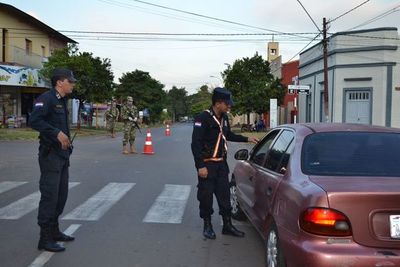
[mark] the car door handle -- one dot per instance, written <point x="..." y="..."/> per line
<point x="269" y="191"/>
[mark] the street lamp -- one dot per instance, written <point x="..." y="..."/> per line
<point x="212" y="76"/>
<point x="222" y="82"/>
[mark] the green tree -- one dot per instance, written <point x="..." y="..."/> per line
<point x="94" y="75"/>
<point x="199" y="101"/>
<point x="177" y="102"/>
<point x="145" y="90"/>
<point x="252" y="85"/>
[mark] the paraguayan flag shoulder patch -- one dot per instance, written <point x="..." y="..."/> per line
<point x="39" y="104"/>
<point x="197" y="124"/>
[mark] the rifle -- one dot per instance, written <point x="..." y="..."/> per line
<point x="71" y="147"/>
<point x="109" y="115"/>
<point x="136" y="125"/>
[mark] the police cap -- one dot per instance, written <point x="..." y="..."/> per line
<point x="222" y="94"/>
<point x="62" y="73"/>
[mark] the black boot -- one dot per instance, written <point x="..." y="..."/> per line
<point x="229" y="229"/>
<point x="208" y="231"/>
<point x="60" y="236"/>
<point x="47" y="242"/>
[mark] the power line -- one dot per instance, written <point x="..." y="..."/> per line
<point x="309" y="15"/>
<point x="167" y="15"/>
<point x="304" y="48"/>
<point x="155" y="36"/>
<point x="152" y="39"/>
<point x="91" y="33"/>
<point x="354" y="8"/>
<point x="207" y="17"/>
<point x="378" y="17"/>
<point x="188" y="34"/>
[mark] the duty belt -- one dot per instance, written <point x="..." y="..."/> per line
<point x="213" y="159"/>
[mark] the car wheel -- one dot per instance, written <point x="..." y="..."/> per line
<point x="237" y="212"/>
<point x="274" y="253"/>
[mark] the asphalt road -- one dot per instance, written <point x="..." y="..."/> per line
<point x="124" y="210"/>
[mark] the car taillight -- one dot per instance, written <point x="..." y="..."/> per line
<point x="324" y="221"/>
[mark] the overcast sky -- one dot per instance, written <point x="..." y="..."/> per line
<point x="190" y="64"/>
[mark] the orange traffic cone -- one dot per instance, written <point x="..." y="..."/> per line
<point x="167" y="131"/>
<point x="148" y="147"/>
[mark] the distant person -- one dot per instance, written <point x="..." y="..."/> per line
<point x="260" y="125"/>
<point x="50" y="118"/>
<point x="211" y="131"/>
<point x="129" y="115"/>
<point x="112" y="115"/>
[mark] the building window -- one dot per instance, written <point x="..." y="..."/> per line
<point x="28" y="46"/>
<point x="43" y="51"/>
<point x="273" y="51"/>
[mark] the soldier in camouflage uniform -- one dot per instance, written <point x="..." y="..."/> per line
<point x="112" y="117"/>
<point x="129" y="115"/>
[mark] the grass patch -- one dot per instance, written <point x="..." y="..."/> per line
<point x="29" y="134"/>
<point x="18" y="134"/>
<point x="258" y="135"/>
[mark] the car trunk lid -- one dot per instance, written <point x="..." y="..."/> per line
<point x="372" y="205"/>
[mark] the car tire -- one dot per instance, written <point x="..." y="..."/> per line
<point x="237" y="212"/>
<point x="273" y="251"/>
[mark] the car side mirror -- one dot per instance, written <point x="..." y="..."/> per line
<point x="242" y="154"/>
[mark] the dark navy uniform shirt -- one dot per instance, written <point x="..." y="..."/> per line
<point x="205" y="137"/>
<point x="49" y="117"/>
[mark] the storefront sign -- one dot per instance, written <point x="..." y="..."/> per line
<point x="20" y="76"/>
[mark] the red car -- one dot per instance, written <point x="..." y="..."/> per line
<point x="323" y="195"/>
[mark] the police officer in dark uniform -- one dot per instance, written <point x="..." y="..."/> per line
<point x="211" y="131"/>
<point x="50" y="118"/>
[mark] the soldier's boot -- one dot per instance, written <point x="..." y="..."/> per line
<point x="60" y="236"/>
<point x="133" y="149"/>
<point x="125" y="150"/>
<point x="229" y="229"/>
<point x="47" y="242"/>
<point x="208" y="231"/>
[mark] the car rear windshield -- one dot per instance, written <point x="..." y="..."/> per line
<point x="351" y="154"/>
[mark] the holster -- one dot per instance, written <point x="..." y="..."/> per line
<point x="44" y="150"/>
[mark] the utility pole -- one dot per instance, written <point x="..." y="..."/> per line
<point x="326" y="97"/>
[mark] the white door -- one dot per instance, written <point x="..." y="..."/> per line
<point x="358" y="107"/>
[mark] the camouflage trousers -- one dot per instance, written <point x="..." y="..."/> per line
<point x="129" y="134"/>
<point x="111" y="125"/>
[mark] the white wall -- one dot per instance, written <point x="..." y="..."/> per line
<point x="380" y="44"/>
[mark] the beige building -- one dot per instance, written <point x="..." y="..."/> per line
<point x="25" y="45"/>
<point x="272" y="51"/>
<point x="363" y="79"/>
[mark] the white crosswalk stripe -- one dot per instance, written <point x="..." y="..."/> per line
<point x="169" y="205"/>
<point x="97" y="205"/>
<point x="5" y="186"/>
<point x="23" y="206"/>
<point x="44" y="257"/>
<point x="168" y="208"/>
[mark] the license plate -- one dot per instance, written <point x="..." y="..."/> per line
<point x="395" y="226"/>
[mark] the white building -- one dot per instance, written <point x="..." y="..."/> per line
<point x="363" y="78"/>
